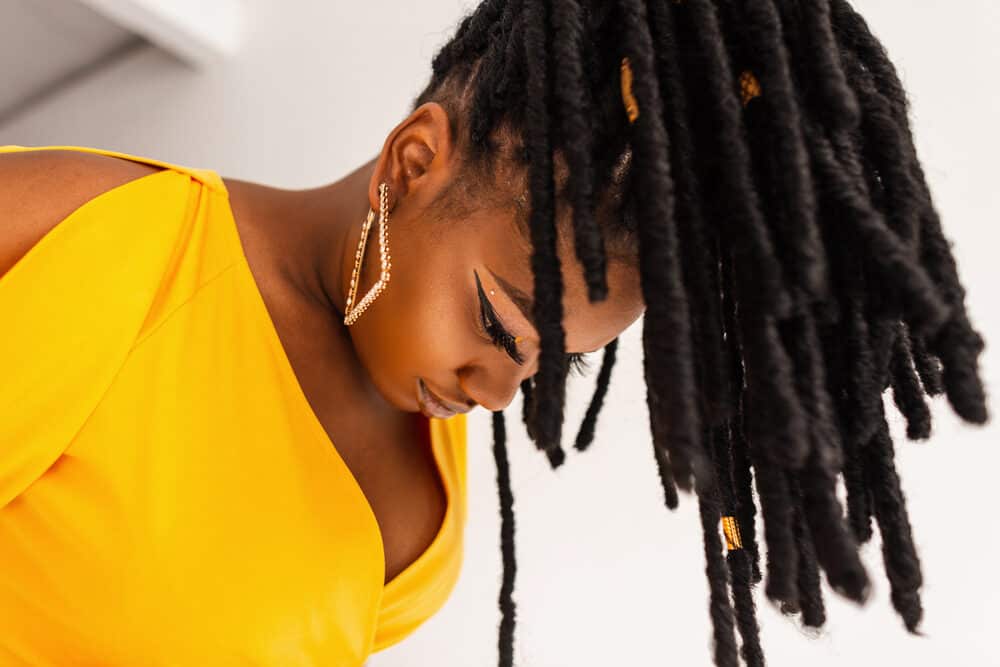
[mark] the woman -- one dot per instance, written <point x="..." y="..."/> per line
<point x="743" y="174"/>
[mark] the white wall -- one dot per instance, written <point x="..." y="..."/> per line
<point x="76" y="39"/>
<point x="606" y="574"/>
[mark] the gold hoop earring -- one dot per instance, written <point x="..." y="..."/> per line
<point x="351" y="312"/>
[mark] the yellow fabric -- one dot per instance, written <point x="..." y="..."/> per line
<point x="167" y="495"/>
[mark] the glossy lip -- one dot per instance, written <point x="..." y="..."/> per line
<point x="434" y="406"/>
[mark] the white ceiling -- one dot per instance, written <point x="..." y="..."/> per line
<point x="45" y="43"/>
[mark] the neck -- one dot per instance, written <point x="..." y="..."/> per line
<point x="331" y="219"/>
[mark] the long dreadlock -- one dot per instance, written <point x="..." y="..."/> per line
<point x="793" y="267"/>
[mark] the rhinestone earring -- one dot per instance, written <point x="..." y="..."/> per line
<point x="351" y="312"/>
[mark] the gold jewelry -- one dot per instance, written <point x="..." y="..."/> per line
<point x="351" y="314"/>
<point x="732" y="532"/>
<point x="749" y="87"/>
<point x="631" y="107"/>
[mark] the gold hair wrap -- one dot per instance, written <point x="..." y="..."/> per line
<point x="749" y="87"/>
<point x="732" y="532"/>
<point x="631" y="108"/>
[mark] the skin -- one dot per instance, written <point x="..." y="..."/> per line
<point x="301" y="247"/>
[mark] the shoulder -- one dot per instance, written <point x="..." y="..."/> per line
<point x="39" y="188"/>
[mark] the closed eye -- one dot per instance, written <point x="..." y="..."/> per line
<point x="493" y="328"/>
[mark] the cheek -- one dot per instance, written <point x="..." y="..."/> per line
<point x="591" y="328"/>
<point x="420" y="326"/>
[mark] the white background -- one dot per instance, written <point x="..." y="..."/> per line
<point x="606" y="575"/>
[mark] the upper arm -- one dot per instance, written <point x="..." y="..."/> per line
<point x="40" y="188"/>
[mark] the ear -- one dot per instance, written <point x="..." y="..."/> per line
<point x="417" y="159"/>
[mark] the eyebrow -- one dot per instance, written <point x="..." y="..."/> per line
<point x="515" y="294"/>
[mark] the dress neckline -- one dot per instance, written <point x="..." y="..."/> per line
<point x="413" y="568"/>
<point x="217" y="183"/>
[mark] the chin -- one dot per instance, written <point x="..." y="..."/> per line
<point x="400" y="393"/>
<point x="380" y="384"/>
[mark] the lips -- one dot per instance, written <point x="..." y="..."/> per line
<point x="434" y="406"/>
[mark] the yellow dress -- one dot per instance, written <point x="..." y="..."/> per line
<point x="167" y="495"/>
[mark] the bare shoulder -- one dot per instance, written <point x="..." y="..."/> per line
<point x="38" y="189"/>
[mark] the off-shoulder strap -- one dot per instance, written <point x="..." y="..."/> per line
<point x="207" y="176"/>
<point x="71" y="309"/>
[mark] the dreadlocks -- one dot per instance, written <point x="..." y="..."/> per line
<point x="759" y="162"/>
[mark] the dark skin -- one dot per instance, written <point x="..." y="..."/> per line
<point x="361" y="380"/>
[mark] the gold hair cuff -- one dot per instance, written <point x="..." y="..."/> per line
<point x="631" y="108"/>
<point x="732" y="531"/>
<point x="749" y="86"/>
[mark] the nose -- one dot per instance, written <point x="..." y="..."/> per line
<point x="495" y="388"/>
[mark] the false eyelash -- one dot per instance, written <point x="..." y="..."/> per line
<point x="492" y="328"/>
<point x="578" y="363"/>
<point x="503" y="340"/>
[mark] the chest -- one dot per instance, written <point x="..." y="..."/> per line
<point x="388" y="451"/>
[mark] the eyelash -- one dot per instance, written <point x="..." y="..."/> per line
<point x="577" y="363"/>
<point x="492" y="328"/>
